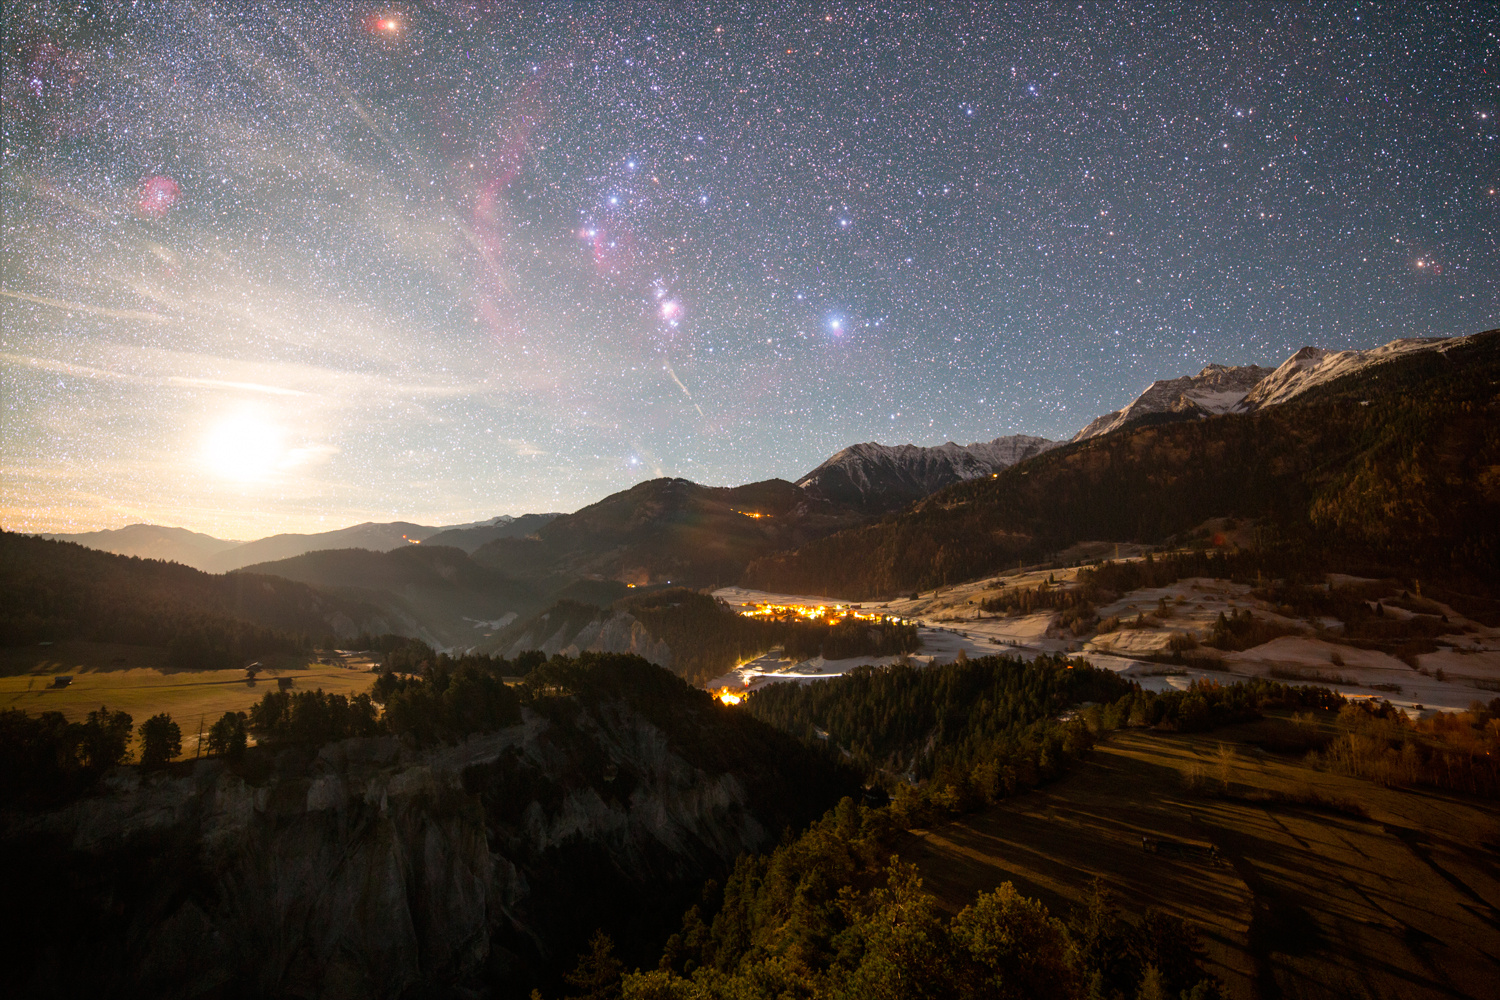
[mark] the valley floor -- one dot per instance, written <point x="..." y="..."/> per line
<point x="1301" y="901"/>
<point x="1465" y="667"/>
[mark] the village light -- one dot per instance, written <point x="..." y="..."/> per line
<point x="821" y="612"/>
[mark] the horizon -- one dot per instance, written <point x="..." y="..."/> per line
<point x="331" y="522"/>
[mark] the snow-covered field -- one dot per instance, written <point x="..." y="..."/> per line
<point x="1465" y="668"/>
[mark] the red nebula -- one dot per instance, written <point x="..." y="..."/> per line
<point x="158" y="195"/>
<point x="382" y="24"/>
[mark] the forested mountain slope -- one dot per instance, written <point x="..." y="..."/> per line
<point x="51" y="591"/>
<point x="472" y="537"/>
<point x="1397" y="463"/>
<point x="153" y="541"/>
<point x="434" y="592"/>
<point x="671" y="531"/>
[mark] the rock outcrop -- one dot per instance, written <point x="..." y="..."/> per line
<point x="596" y="631"/>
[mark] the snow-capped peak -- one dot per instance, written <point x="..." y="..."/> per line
<point x="1216" y="389"/>
<point x="876" y="476"/>
<point x="1314" y="366"/>
<point x="1220" y="389"/>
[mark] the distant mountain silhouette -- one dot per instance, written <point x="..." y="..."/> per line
<point x="369" y="535"/>
<point x="471" y="537"/>
<point x="217" y="555"/>
<point x="153" y="541"/>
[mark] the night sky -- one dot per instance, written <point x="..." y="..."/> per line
<point x="271" y="268"/>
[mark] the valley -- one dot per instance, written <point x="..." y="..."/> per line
<point x="1185" y="654"/>
<point x="1159" y="636"/>
<point x="700" y="501"/>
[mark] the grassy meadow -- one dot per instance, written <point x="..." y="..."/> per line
<point x="131" y="679"/>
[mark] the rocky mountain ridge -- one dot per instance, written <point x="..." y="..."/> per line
<point x="586" y="630"/>
<point x="1313" y="366"/>
<point x="1388" y="461"/>
<point x="878" y="478"/>
<point x="1220" y="389"/>
<point x="1216" y="389"/>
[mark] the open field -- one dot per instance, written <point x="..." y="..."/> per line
<point x="1305" y="901"/>
<point x="187" y="696"/>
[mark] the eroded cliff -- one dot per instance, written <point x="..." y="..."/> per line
<point x="376" y="869"/>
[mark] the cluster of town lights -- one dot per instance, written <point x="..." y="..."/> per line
<point x="830" y="613"/>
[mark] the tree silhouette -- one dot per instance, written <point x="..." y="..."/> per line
<point x="161" y="740"/>
<point x="104" y="738"/>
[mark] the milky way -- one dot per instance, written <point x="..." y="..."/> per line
<point x="270" y="268"/>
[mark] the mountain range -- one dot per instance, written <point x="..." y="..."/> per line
<point x="217" y="555"/>
<point x="1314" y="366"/>
<point x="457" y="585"/>
<point x="1216" y="389"/>
<point x="1219" y="389"/>
<point x="1384" y="458"/>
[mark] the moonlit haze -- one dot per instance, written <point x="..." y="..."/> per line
<point x="289" y="267"/>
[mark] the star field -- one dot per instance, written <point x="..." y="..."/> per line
<point x="274" y="268"/>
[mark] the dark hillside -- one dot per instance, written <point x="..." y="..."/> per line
<point x="1398" y="464"/>
<point x="433" y="590"/>
<point x="413" y="566"/>
<point x="470" y="539"/>
<point x="51" y="591"/>
<point x="671" y="531"/>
